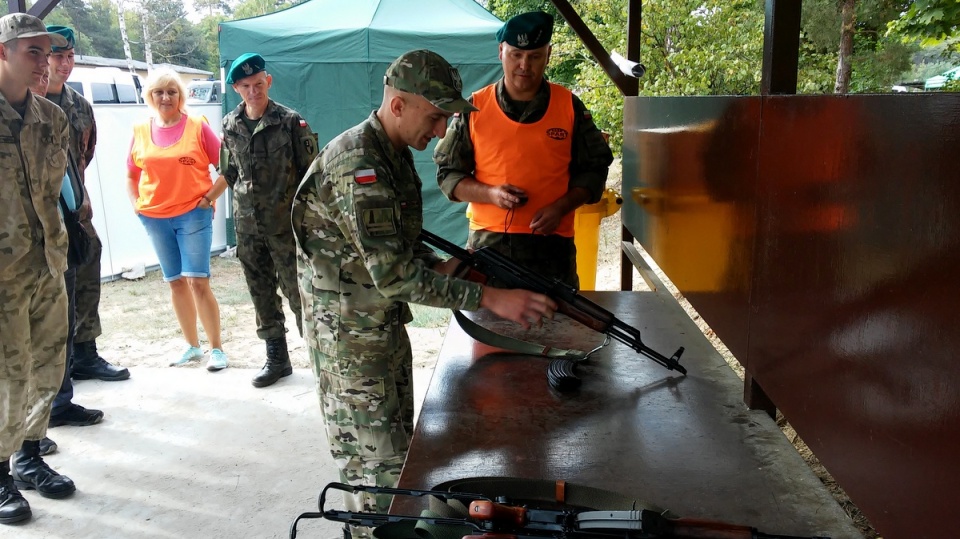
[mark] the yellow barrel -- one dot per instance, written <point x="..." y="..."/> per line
<point x="587" y="235"/>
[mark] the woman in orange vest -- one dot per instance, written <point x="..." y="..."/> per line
<point x="172" y="192"/>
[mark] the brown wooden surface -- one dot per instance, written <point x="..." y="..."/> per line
<point x="818" y="236"/>
<point x="686" y="443"/>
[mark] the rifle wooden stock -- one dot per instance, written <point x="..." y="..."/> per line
<point x="497" y="512"/>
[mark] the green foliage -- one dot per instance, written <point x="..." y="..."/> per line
<point x="930" y="22"/>
<point x="256" y="8"/>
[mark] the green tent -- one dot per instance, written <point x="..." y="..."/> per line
<point x="328" y="57"/>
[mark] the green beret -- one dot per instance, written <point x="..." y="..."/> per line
<point x="527" y="31"/>
<point x="247" y="64"/>
<point x="66" y="32"/>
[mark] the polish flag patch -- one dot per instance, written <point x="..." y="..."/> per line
<point x="365" y="176"/>
<point x="303" y="123"/>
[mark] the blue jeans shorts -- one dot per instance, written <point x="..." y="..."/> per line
<point x="182" y="243"/>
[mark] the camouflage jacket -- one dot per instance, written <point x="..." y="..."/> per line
<point x="83" y="137"/>
<point x="33" y="159"/>
<point x="590" y="159"/>
<point x="264" y="167"/>
<point x="356" y="217"/>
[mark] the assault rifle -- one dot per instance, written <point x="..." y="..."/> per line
<point x="561" y="371"/>
<point x="489" y="519"/>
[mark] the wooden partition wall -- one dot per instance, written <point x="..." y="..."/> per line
<point x="819" y="236"/>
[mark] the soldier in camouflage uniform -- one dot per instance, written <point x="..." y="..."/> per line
<point x="266" y="151"/>
<point x="523" y="204"/>
<point x="33" y="257"/>
<point x="357" y="216"/>
<point x="86" y="363"/>
<point x="64" y="411"/>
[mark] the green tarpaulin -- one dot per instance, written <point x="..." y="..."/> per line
<point x="327" y="58"/>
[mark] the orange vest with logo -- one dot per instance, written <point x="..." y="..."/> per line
<point x="172" y="178"/>
<point x="534" y="157"/>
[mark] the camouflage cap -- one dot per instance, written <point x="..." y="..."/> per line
<point x="67" y="34"/>
<point x="527" y="31"/>
<point x="20" y="25"/>
<point x="249" y="63"/>
<point x="426" y="73"/>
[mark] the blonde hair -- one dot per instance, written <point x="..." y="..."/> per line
<point x="161" y="78"/>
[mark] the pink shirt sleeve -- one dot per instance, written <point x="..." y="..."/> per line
<point x="211" y="143"/>
<point x="130" y="166"/>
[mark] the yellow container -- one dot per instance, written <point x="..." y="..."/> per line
<point x="587" y="235"/>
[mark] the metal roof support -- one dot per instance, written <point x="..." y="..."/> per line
<point x="593" y="45"/>
<point x="39" y="10"/>
<point x="781" y="47"/>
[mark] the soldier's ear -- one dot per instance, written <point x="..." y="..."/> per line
<point x="269" y="80"/>
<point x="397" y="104"/>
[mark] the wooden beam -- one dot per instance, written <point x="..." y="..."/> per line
<point x="634" y="38"/>
<point x="43" y="8"/>
<point x="17" y="6"/>
<point x="781" y="47"/>
<point x="593" y="45"/>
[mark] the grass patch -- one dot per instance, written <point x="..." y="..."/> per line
<point x="429" y="317"/>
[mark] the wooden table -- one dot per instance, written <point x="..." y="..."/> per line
<point x="686" y="443"/>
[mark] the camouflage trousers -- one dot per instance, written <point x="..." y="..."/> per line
<point x="554" y="257"/>
<point x="33" y="337"/>
<point x="269" y="261"/>
<point x="88" y="291"/>
<point x="368" y="418"/>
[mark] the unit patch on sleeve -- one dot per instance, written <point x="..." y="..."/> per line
<point x="378" y="222"/>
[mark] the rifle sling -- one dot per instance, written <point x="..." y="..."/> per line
<point x="483" y="335"/>
<point x="552" y="493"/>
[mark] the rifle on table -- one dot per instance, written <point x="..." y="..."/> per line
<point x="560" y="373"/>
<point x="489" y="519"/>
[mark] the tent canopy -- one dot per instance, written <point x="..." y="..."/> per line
<point x="328" y="57"/>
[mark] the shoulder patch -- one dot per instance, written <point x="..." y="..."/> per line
<point x="378" y="222"/>
<point x="365" y="176"/>
<point x="303" y="123"/>
<point x="587" y="115"/>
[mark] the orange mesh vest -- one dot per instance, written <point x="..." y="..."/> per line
<point x="173" y="179"/>
<point x="534" y="157"/>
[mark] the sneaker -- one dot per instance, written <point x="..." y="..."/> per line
<point x="76" y="416"/>
<point x="218" y="360"/>
<point x="193" y="353"/>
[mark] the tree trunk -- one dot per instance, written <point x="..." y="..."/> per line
<point x="123" y="36"/>
<point x="848" y="18"/>
<point x="147" y="48"/>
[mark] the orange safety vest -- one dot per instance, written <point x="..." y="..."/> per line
<point x="534" y="157"/>
<point x="174" y="178"/>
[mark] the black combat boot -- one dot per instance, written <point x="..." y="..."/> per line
<point x="13" y="508"/>
<point x="30" y="472"/>
<point x="88" y="364"/>
<point x="277" y="366"/>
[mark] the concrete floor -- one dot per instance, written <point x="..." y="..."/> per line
<point x="183" y="453"/>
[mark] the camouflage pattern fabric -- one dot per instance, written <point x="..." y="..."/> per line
<point x="264" y="168"/>
<point x="83" y="142"/>
<point x="268" y="261"/>
<point x="553" y="257"/>
<point x="33" y="330"/>
<point x="589" y="162"/>
<point x="368" y="421"/>
<point x="33" y="257"/>
<point x="356" y="217"/>
<point x="32" y="234"/>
